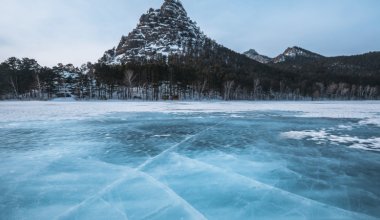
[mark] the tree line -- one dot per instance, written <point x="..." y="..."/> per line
<point x="212" y="73"/>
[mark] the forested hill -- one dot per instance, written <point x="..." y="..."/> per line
<point x="168" y="57"/>
<point x="349" y="74"/>
<point x="363" y="65"/>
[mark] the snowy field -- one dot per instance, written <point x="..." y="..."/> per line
<point x="189" y="160"/>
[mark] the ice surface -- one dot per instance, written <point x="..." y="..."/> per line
<point x="218" y="160"/>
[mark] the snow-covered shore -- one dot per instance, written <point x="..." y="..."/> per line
<point x="367" y="111"/>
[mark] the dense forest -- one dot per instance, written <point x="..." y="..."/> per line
<point x="212" y="73"/>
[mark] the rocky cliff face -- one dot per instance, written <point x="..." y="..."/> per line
<point x="160" y="32"/>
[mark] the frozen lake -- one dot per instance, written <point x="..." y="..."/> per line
<point x="189" y="160"/>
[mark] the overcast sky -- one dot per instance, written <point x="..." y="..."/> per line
<point x="77" y="31"/>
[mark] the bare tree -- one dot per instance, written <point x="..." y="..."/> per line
<point x="38" y="86"/>
<point x="256" y="88"/>
<point x="14" y="87"/>
<point x="227" y="89"/>
<point x="129" y="77"/>
<point x="201" y="88"/>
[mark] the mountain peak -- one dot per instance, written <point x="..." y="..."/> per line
<point x="178" y="2"/>
<point x="173" y="8"/>
<point x="254" y="55"/>
<point x="251" y="52"/>
<point x="296" y="51"/>
<point x="292" y="53"/>
<point x="160" y="32"/>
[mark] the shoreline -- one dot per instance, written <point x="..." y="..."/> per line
<point x="16" y="111"/>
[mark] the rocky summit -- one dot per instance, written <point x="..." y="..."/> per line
<point x="253" y="54"/>
<point x="295" y="52"/>
<point x="159" y="33"/>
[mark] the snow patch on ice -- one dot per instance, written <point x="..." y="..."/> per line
<point x="371" y="121"/>
<point x="299" y="135"/>
<point x="345" y="127"/>
<point x="162" y="135"/>
<point x="323" y="137"/>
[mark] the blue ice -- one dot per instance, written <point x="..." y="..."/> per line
<point x="190" y="166"/>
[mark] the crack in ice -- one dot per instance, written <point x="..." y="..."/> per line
<point x="262" y="185"/>
<point x="168" y="190"/>
<point x="150" y="160"/>
<point x="189" y="208"/>
<point x="124" y="214"/>
<point x="174" y="195"/>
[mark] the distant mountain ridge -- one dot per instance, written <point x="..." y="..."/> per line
<point x="291" y="53"/>
<point x="297" y="59"/>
